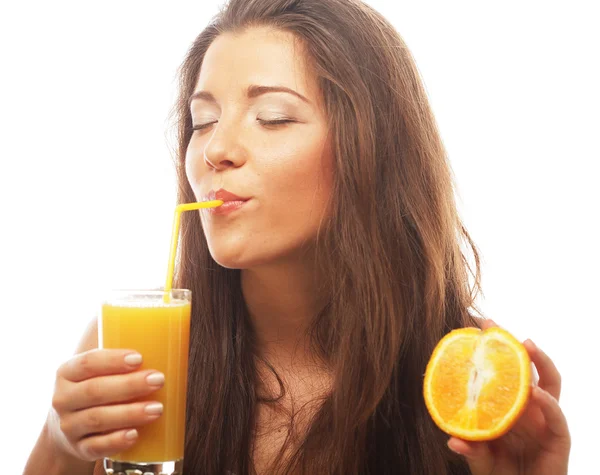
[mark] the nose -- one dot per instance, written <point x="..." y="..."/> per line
<point x="224" y="149"/>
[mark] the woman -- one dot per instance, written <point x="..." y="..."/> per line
<point x="321" y="291"/>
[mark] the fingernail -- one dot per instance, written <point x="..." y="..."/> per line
<point x="133" y="359"/>
<point x="131" y="434"/>
<point x="155" y="379"/>
<point x="154" y="409"/>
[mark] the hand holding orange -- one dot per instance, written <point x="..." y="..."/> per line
<point x="478" y="388"/>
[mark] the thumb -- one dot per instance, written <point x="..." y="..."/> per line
<point x="478" y="455"/>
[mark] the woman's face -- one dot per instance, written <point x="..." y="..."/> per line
<point x="260" y="134"/>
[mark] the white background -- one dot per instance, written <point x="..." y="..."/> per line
<point x="87" y="188"/>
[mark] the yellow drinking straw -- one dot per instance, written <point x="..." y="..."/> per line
<point x="175" y="236"/>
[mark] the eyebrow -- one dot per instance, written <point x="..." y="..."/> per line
<point x="252" y="92"/>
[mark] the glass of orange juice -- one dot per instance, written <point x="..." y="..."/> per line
<point x="157" y="325"/>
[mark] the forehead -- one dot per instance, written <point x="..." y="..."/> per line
<point x="262" y="56"/>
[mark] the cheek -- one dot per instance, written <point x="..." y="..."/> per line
<point x="324" y="181"/>
<point x="301" y="182"/>
<point x="314" y="171"/>
<point x="326" y="169"/>
<point x="193" y="163"/>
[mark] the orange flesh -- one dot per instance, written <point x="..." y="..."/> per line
<point x="477" y="383"/>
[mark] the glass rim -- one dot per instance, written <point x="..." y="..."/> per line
<point x="113" y="295"/>
<point x="146" y="291"/>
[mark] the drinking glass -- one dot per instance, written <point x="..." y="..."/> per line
<point x="156" y="324"/>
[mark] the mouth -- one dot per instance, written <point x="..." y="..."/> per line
<point x="231" y="201"/>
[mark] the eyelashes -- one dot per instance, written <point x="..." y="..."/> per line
<point x="203" y="126"/>
<point x="275" y="122"/>
<point x="266" y="123"/>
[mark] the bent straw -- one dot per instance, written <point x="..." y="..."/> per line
<point x="175" y="237"/>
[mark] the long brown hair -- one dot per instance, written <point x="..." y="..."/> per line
<point x="391" y="253"/>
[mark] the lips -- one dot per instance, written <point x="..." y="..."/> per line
<point x="231" y="201"/>
<point x="224" y="196"/>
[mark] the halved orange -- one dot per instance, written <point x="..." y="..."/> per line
<point x="477" y="383"/>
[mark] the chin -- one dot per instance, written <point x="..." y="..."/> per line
<point x="232" y="257"/>
<point x="244" y="256"/>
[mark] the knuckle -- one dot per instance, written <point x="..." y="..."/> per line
<point x="92" y="390"/>
<point x="85" y="363"/>
<point x="65" y="427"/>
<point x="58" y="402"/>
<point x="93" y="420"/>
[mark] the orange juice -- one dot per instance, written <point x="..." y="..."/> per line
<point x="160" y="332"/>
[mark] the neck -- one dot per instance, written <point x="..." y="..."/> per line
<point x="282" y="300"/>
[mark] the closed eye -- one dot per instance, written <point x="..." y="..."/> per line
<point x="275" y="122"/>
<point x="203" y="126"/>
<point x="267" y="123"/>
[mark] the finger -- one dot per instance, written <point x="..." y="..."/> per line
<point x="99" y="363"/>
<point x="105" y="445"/>
<point x="535" y="377"/>
<point x="556" y="422"/>
<point x="549" y="377"/>
<point x="488" y="323"/>
<point x="478" y="455"/>
<point x="108" y="390"/>
<point x="101" y="419"/>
